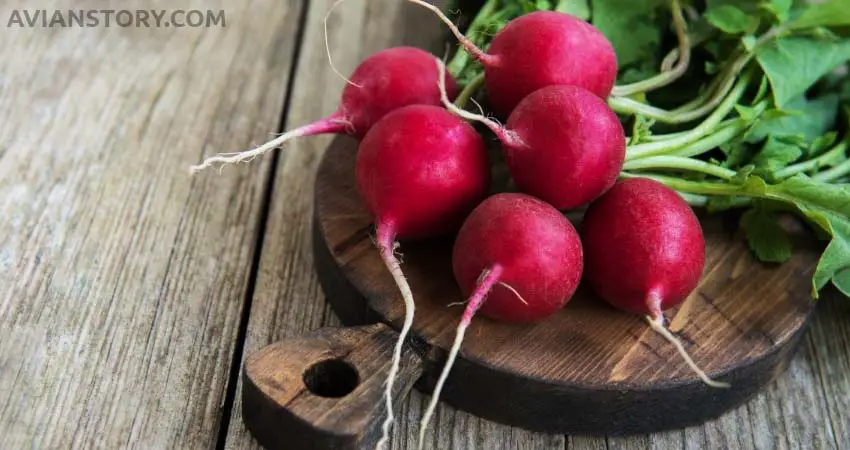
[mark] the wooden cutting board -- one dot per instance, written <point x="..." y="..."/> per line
<point x="587" y="369"/>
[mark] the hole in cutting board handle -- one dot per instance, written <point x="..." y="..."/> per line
<point x="333" y="378"/>
<point x="324" y="389"/>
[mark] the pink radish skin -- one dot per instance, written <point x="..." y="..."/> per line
<point x="420" y="170"/>
<point x="562" y="144"/>
<point x="384" y="82"/>
<point x="530" y="246"/>
<point x="546" y="48"/>
<point x="388" y="80"/>
<point x="644" y="252"/>
<point x="539" y="49"/>
<point x="518" y="260"/>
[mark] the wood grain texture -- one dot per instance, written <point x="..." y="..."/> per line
<point x="122" y="278"/>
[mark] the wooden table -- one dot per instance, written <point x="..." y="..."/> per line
<point x="130" y="292"/>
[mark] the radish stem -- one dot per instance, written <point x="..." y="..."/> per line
<point x="681" y="163"/>
<point x="812" y="164"/>
<point x="833" y="173"/>
<point x="701" y="130"/>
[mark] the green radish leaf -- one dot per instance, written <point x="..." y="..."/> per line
<point x="578" y="8"/>
<point x="765" y="236"/>
<point x="743" y="178"/>
<point x="631" y="28"/>
<point x="779" y="9"/>
<point x="776" y="154"/>
<point x="542" y="5"/>
<point x="808" y="119"/>
<point x="749" y="42"/>
<point x="794" y="64"/>
<point x="762" y="91"/>
<point x="831" y="13"/>
<point x="730" y="19"/>
<point x="748" y="113"/>
<point x="821" y="144"/>
<point x="842" y="282"/>
<point x="737" y="154"/>
<point x="828" y="207"/>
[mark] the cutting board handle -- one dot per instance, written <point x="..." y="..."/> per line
<point x="324" y="390"/>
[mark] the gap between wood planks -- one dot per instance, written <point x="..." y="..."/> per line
<point x="265" y="206"/>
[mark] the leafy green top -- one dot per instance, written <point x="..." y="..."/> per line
<point x="753" y="122"/>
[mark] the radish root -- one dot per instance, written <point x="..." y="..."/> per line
<point x="387" y="245"/>
<point x="328" y="46"/>
<point x="511" y="288"/>
<point x="467" y="45"/>
<point x="504" y="135"/>
<point x="657" y="324"/>
<point x="331" y="124"/>
<point x="489" y="278"/>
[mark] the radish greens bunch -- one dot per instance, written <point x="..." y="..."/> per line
<point x="735" y="104"/>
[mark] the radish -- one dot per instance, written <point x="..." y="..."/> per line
<point x="420" y="170"/>
<point x="543" y="48"/>
<point x="520" y="255"/>
<point x="562" y="144"/>
<point x="384" y="82"/>
<point x="644" y="253"/>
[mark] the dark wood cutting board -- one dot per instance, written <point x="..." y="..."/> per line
<point x="587" y="369"/>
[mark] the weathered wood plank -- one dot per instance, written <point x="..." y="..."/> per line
<point x="122" y="278"/>
<point x="830" y="350"/>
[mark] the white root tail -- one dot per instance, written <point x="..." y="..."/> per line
<point x="486" y="282"/>
<point x="514" y="291"/>
<point x="328" y="46"/>
<point x="657" y="324"/>
<point x="386" y="245"/>
<point x="331" y="124"/>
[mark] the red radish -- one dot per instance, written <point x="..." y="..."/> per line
<point x="420" y="170"/>
<point x="384" y="82"/>
<point x="520" y="255"/>
<point x="644" y="253"/>
<point x="543" y="48"/>
<point x="562" y="144"/>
